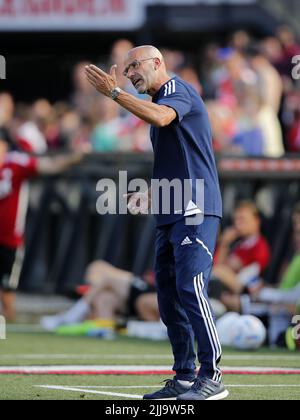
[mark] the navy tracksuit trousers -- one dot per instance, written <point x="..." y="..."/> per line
<point x="184" y="259"/>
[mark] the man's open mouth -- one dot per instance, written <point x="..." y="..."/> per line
<point x="137" y="82"/>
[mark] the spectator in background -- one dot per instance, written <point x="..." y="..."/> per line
<point x="140" y="137"/>
<point x="75" y="131"/>
<point x="240" y="41"/>
<point x="243" y="253"/>
<point x="111" y="292"/>
<point x="289" y="44"/>
<point x="210" y="70"/>
<point x="119" y="133"/>
<point x="272" y="132"/>
<point x="7" y="107"/>
<point x="270" y="88"/>
<point x="236" y="70"/>
<point x="83" y="97"/>
<point x="293" y="136"/>
<point x="266" y="127"/>
<point x="224" y="126"/>
<point x="15" y="169"/>
<point x="269" y="80"/>
<point x="174" y="60"/>
<point x="278" y="304"/>
<point x="190" y="75"/>
<point x="273" y="51"/>
<point x="291" y="118"/>
<point x="248" y="140"/>
<point x="110" y="131"/>
<point x="33" y="132"/>
<point x="237" y="130"/>
<point x="222" y="110"/>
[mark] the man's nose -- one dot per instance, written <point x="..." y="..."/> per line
<point x="130" y="74"/>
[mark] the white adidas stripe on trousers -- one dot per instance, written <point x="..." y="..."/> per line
<point x="209" y="324"/>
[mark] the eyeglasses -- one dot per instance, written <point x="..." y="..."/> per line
<point x="135" y="65"/>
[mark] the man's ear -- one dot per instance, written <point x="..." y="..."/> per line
<point x="157" y="63"/>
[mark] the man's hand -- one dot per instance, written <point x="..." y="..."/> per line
<point x="139" y="203"/>
<point x="103" y="82"/>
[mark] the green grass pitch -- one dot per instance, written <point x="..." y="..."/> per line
<point x="45" y="349"/>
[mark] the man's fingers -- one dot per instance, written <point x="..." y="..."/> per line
<point x="93" y="73"/>
<point x="97" y="70"/>
<point x="92" y="80"/>
<point x="89" y="74"/>
<point x="91" y="77"/>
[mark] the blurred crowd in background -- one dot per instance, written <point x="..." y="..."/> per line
<point x="253" y="102"/>
<point x="254" y="107"/>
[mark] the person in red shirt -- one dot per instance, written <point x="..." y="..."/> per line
<point x="15" y="169"/>
<point x="293" y="135"/>
<point x="243" y="253"/>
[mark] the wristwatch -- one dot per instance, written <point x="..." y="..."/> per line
<point x="115" y="93"/>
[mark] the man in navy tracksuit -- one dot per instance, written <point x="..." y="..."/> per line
<point x="186" y="236"/>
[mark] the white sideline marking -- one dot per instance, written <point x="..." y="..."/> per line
<point x="84" y="356"/>
<point x="263" y="386"/>
<point x="115" y="386"/>
<point x="84" y="368"/>
<point x="142" y="357"/>
<point x="132" y="368"/>
<point x="258" y="357"/>
<point x="89" y="391"/>
<point x="157" y="386"/>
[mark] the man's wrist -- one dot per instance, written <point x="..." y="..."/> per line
<point x="115" y="93"/>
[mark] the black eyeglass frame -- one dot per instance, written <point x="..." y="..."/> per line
<point x="136" y="64"/>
